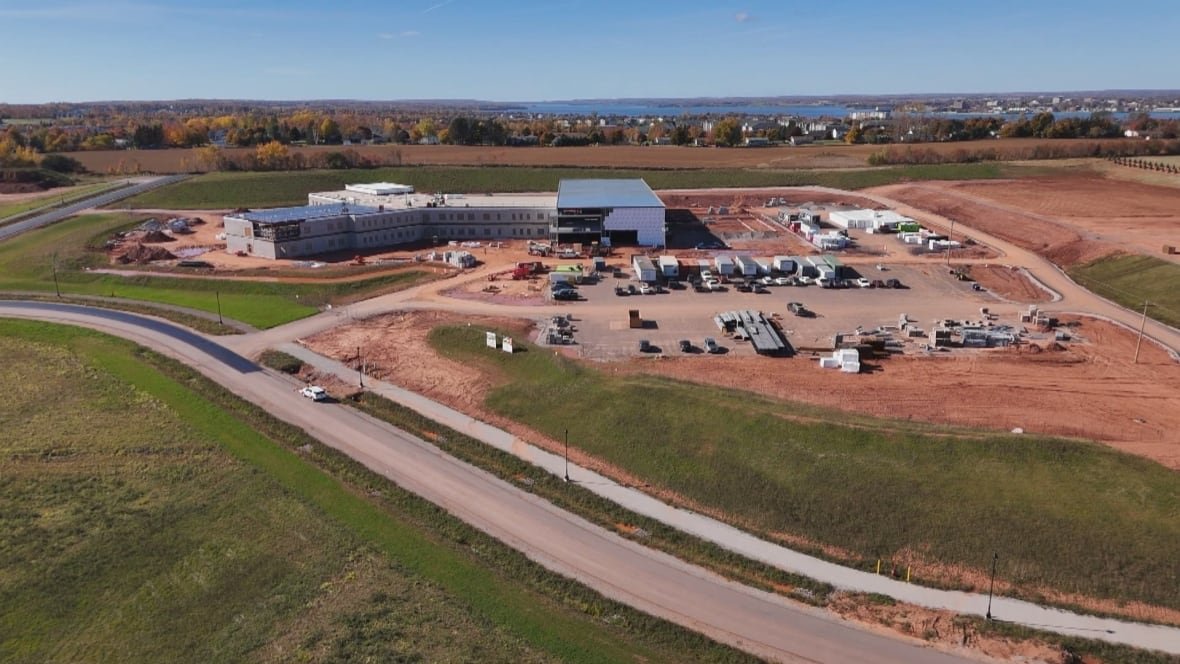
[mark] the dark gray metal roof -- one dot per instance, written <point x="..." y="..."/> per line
<point x="603" y="193"/>
<point x="303" y="212"/>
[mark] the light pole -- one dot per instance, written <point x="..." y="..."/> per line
<point x="567" y="455"/>
<point x="1142" y="324"/>
<point x="56" y="287"/>
<point x="360" y="367"/>
<point x="992" y="586"/>
<point x="220" y="320"/>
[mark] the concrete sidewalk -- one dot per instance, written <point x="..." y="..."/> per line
<point x="1139" y="635"/>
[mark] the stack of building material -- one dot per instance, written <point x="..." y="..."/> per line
<point x="846" y="360"/>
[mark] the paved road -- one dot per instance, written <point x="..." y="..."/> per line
<point x="57" y="214"/>
<point x="755" y="621"/>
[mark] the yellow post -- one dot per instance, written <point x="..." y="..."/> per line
<point x="878" y="566"/>
<point x="907" y="574"/>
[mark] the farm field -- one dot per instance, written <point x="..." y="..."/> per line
<point x="818" y="156"/>
<point x="781" y="469"/>
<point x="27" y="264"/>
<point x="1132" y="280"/>
<point x="231" y="190"/>
<point x="243" y="549"/>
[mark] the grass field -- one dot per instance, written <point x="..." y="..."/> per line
<point x="1071" y="516"/>
<point x="8" y="211"/>
<point x="146" y="518"/>
<point x="230" y="190"/>
<point x="1132" y="279"/>
<point x="26" y="264"/>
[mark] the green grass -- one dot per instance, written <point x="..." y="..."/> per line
<point x="1131" y="279"/>
<point x="230" y="190"/>
<point x="151" y="516"/>
<point x="26" y="264"/>
<point x="1070" y="516"/>
<point x="10" y="210"/>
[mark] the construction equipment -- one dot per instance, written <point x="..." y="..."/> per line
<point x="359" y="260"/>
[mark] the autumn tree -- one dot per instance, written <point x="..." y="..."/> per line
<point x="329" y="131"/>
<point x="727" y="132"/>
<point x="272" y="156"/>
<point x="856" y="134"/>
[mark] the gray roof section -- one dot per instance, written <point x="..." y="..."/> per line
<point x="603" y="193"/>
<point x="303" y="212"/>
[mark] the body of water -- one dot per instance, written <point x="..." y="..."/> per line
<point x="671" y="110"/>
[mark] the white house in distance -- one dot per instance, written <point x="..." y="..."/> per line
<point x="870" y="220"/>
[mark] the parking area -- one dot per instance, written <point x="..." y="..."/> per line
<point x="605" y="327"/>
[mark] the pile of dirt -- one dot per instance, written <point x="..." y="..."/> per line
<point x="141" y="254"/>
<point x="153" y="236"/>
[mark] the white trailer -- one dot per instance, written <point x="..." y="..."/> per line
<point x="645" y="270"/>
<point x="745" y="266"/>
<point x="724" y="265"/>
<point x="784" y="264"/>
<point x="669" y="267"/>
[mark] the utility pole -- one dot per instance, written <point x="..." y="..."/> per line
<point x="567" y="455"/>
<point x="992" y="587"/>
<point x="360" y="367"/>
<point x="1142" y="324"/>
<point x="56" y="287"/>
<point x="220" y="320"/>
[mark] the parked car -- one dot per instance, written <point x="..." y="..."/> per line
<point x="711" y="346"/>
<point x="676" y="285"/>
<point x="714" y="286"/>
<point x="744" y="287"/>
<point x="621" y="292"/>
<point x="646" y="289"/>
<point x="631" y="289"/>
<point x="685" y="346"/>
<point x="805" y="281"/>
<point x="315" y="393"/>
<point x="566" y="294"/>
<point x="706" y="275"/>
<point x="863" y="283"/>
<point x="766" y="281"/>
<point x="782" y="281"/>
<point x="893" y="283"/>
<point x="700" y="287"/>
<point x="646" y="347"/>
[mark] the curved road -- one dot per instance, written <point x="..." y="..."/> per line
<point x="57" y="214"/>
<point x="752" y="620"/>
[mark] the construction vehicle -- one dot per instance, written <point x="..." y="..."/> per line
<point x="359" y="260"/>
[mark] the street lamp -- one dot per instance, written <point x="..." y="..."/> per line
<point x="992" y="586"/>
<point x="360" y="367"/>
<point x="56" y="287"/>
<point x="567" y="455"/>
<point x="220" y="320"/>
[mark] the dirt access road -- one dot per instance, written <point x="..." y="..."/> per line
<point x="659" y="584"/>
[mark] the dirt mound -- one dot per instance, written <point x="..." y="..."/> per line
<point x="141" y="254"/>
<point x="153" y="236"/>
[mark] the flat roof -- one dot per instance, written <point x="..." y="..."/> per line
<point x="380" y="188"/>
<point x="606" y="193"/>
<point x="452" y="201"/>
<point x="302" y="212"/>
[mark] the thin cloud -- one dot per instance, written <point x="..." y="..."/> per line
<point x="410" y="33"/>
<point x="437" y="5"/>
<point x="742" y="17"/>
<point x="385" y="35"/>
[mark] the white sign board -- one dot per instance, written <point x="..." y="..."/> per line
<point x="491" y="339"/>
<point x="506" y="345"/>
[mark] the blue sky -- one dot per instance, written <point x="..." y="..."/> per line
<point x="79" y="50"/>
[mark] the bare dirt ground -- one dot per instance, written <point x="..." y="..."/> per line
<point x="1088" y="390"/>
<point x="1010" y="283"/>
<point x="1070" y="220"/>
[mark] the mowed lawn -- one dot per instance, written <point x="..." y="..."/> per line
<point x="237" y="189"/>
<point x="1131" y="280"/>
<point x="143" y="521"/>
<point x="1070" y="516"/>
<point x="53" y="197"/>
<point x="27" y="264"/>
